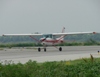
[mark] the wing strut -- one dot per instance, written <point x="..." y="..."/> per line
<point x="61" y="37"/>
<point x="35" y="39"/>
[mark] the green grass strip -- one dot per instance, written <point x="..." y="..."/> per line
<point x="77" y="68"/>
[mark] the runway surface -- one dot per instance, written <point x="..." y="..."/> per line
<point x="52" y="54"/>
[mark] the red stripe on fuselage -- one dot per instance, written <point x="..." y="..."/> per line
<point x="53" y="41"/>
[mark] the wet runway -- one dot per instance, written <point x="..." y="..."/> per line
<point x="52" y="54"/>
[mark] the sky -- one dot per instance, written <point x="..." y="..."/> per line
<point x="49" y="16"/>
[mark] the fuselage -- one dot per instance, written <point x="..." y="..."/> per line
<point x="50" y="41"/>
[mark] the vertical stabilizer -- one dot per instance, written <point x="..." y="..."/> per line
<point x="62" y="37"/>
<point x="63" y="30"/>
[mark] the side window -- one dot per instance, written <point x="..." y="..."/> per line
<point x="51" y="36"/>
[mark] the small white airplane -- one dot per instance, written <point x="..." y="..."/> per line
<point x="49" y="39"/>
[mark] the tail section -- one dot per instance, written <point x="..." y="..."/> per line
<point x="61" y="38"/>
<point x="63" y="30"/>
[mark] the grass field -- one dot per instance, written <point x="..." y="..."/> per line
<point x="77" y="68"/>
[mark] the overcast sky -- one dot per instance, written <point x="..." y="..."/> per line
<point x="49" y="16"/>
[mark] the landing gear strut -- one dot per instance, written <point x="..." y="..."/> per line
<point x="60" y="49"/>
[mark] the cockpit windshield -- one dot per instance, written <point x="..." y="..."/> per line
<point x="47" y="36"/>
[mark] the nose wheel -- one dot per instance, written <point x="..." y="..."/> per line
<point x="39" y="49"/>
<point x="44" y="49"/>
<point x="60" y="49"/>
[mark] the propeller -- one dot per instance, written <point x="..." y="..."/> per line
<point x="44" y="38"/>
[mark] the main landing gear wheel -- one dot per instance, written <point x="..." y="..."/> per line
<point x="39" y="49"/>
<point x="60" y="49"/>
<point x="44" y="49"/>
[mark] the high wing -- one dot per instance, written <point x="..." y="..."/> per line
<point x="22" y="34"/>
<point x="72" y="33"/>
<point x="57" y="34"/>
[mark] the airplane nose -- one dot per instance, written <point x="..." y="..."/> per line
<point x="42" y="40"/>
